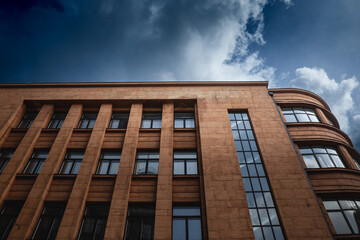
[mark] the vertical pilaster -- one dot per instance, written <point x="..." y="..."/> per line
<point x="348" y="159"/>
<point x="14" y="118"/>
<point x="163" y="213"/>
<point x="117" y="215"/>
<point x="31" y="210"/>
<point x="24" y="150"/>
<point x="321" y="116"/>
<point x="75" y="208"/>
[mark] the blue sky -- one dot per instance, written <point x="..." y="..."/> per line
<point x="311" y="44"/>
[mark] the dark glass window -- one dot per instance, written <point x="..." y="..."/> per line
<point x="72" y="162"/>
<point x="299" y="115"/>
<point x="8" y="216"/>
<point x="151" y="120"/>
<point x="119" y="120"/>
<point x="49" y="222"/>
<point x="184" y="120"/>
<point x="186" y="223"/>
<point x="140" y="223"/>
<point x="321" y="157"/>
<point x="147" y="163"/>
<point x="36" y="162"/>
<point x="185" y="163"/>
<point x="94" y="222"/>
<point x="109" y="163"/>
<point x="87" y="120"/>
<point x="57" y="120"/>
<point x="5" y="156"/>
<point x="342" y="215"/>
<point x="27" y="120"/>
<point x="264" y="217"/>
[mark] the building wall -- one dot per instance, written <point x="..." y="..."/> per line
<point x="218" y="188"/>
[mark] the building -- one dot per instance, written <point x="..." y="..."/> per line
<point x="174" y="160"/>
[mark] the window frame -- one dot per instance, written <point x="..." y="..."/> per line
<point x="126" y="120"/>
<point x="28" y="121"/>
<point x="90" y="120"/>
<point x="185" y="160"/>
<point x="318" y="162"/>
<point x="39" y="162"/>
<point x="110" y="160"/>
<point x="186" y="218"/>
<point x="10" y="218"/>
<point x="73" y="161"/>
<point x="58" y="118"/>
<point x="148" y="159"/>
<point x="306" y="111"/>
<point x="183" y="119"/>
<point x="96" y="217"/>
<point x="5" y="160"/>
<point x="53" y="218"/>
<point x="144" y="116"/>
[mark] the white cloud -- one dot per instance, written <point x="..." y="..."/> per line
<point x="338" y="94"/>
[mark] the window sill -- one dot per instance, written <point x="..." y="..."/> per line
<point x="184" y="129"/>
<point x="104" y="176"/>
<point x="150" y="129"/>
<point x="82" y="130"/>
<point x="344" y="237"/>
<point x="21" y="130"/>
<point x="116" y="130"/>
<point x="50" y="130"/>
<point x="59" y="176"/>
<point x="319" y="170"/>
<point x="26" y="175"/>
<point x="185" y="176"/>
<point x="138" y="176"/>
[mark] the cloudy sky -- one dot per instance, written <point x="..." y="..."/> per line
<point x="311" y="44"/>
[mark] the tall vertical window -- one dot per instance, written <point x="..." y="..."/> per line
<point x="184" y="120"/>
<point x="72" y="162"/>
<point x="94" y="222"/>
<point x="49" y="222"/>
<point x="321" y="157"/>
<point x="119" y="120"/>
<point x="185" y="163"/>
<point x="299" y="115"/>
<point x="109" y="163"/>
<point x="5" y="156"/>
<point x="57" y="120"/>
<point x="147" y="163"/>
<point x="35" y="162"/>
<point x="342" y="214"/>
<point x="151" y="120"/>
<point x="87" y="120"/>
<point x="27" y="120"/>
<point x="140" y="223"/>
<point x="8" y="217"/>
<point x="186" y="223"/>
<point x="264" y="217"/>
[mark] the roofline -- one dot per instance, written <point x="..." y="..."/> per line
<point x="135" y="84"/>
<point x="302" y="91"/>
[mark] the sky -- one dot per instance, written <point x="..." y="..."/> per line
<point x="309" y="44"/>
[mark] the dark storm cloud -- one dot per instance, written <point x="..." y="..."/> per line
<point x="129" y="40"/>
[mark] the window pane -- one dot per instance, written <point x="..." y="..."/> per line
<point x="111" y="155"/>
<point x="324" y="160"/>
<point x="91" y="124"/>
<point x="194" y="228"/>
<point x="146" y="124"/>
<point x="66" y="167"/>
<point x="53" y="124"/>
<point x="273" y="216"/>
<point x="264" y="217"/>
<point x="278" y="233"/>
<point x="76" y="167"/>
<point x="140" y="167"/>
<point x="290" y="118"/>
<point x="156" y="124"/>
<point x="287" y="110"/>
<point x="250" y="200"/>
<point x="179" y="167"/>
<point x="184" y="155"/>
<point x="83" y="123"/>
<point x="254" y="217"/>
<point x="268" y="233"/>
<point x="310" y="161"/>
<point x="331" y="205"/>
<point x="244" y="171"/>
<point x="302" y="118"/>
<point x="31" y="167"/>
<point x="259" y="199"/>
<point x="255" y="184"/>
<point x="233" y="125"/>
<point x="153" y="167"/>
<point x="299" y="110"/>
<point x="179" y="229"/>
<point x="147" y="230"/>
<point x="305" y="150"/>
<point x="189" y="123"/>
<point x="319" y="150"/>
<point x="258" y="233"/>
<point x="43" y="228"/>
<point x="339" y="223"/>
<point x="186" y="211"/>
<point x="337" y="161"/>
<point x="114" y="167"/>
<point x="313" y="118"/>
<point x="103" y="167"/>
<point x="179" y="123"/>
<point x="347" y="204"/>
<point x="351" y="218"/>
<point x="252" y="170"/>
<point x="268" y="199"/>
<point x="114" y="123"/>
<point x="133" y="229"/>
<point x="191" y="167"/>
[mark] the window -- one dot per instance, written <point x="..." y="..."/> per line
<point x="27" y="120"/>
<point x="185" y="163"/>
<point x="8" y="216"/>
<point x="140" y="223"/>
<point x="146" y="163"/>
<point x="87" y="120"/>
<point x="72" y="162"/>
<point x="151" y="120"/>
<point x="119" y="120"/>
<point x="5" y="156"/>
<point x="109" y="163"/>
<point x="263" y="214"/>
<point x="321" y="157"/>
<point x="94" y="222"/>
<point x="49" y="222"/>
<point x="36" y="162"/>
<point x="299" y="115"/>
<point x="186" y="223"/>
<point x="57" y="120"/>
<point x="184" y="120"/>
<point x="342" y="215"/>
